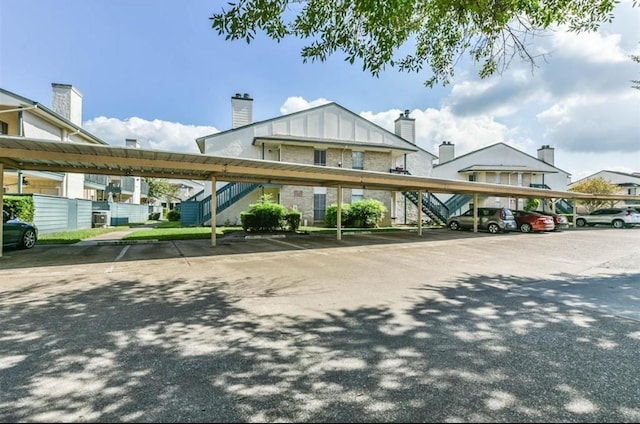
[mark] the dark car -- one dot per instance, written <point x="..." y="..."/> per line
<point x="15" y="232"/>
<point x="561" y="222"/>
<point x="491" y="219"/>
<point x="529" y="221"/>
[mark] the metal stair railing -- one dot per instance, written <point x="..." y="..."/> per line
<point x="562" y="205"/>
<point x="457" y="201"/>
<point x="197" y="212"/>
<point x="431" y="206"/>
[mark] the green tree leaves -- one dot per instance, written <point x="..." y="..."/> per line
<point x="491" y="32"/>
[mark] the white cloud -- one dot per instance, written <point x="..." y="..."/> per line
<point x="156" y="134"/>
<point x="296" y="103"/>
<point x="468" y="133"/>
<point x="586" y="124"/>
<point x="589" y="46"/>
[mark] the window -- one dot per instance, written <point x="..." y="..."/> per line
<point x="4" y="128"/>
<point x="472" y="177"/>
<point x="319" y="206"/>
<point x="357" y="194"/>
<point x="357" y="160"/>
<point x="320" y="157"/>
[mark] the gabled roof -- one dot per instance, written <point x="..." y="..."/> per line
<point x="634" y="176"/>
<point x="505" y="168"/>
<point x="48" y="113"/>
<point x="331" y="142"/>
<point x="493" y="146"/>
<point x="200" y="140"/>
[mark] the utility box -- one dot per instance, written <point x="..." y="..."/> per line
<point x="100" y="219"/>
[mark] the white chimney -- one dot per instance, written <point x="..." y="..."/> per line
<point x="446" y="152"/>
<point x="67" y="101"/>
<point x="406" y="127"/>
<point x="546" y="154"/>
<point x="241" y="110"/>
<point x="132" y="142"/>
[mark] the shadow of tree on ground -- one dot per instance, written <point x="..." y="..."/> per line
<point x="487" y="349"/>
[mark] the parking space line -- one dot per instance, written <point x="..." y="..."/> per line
<point x="113" y="264"/>
<point x="287" y="244"/>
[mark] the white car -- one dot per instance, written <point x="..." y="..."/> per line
<point x="616" y="217"/>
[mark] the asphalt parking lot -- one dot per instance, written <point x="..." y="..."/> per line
<point x="447" y="327"/>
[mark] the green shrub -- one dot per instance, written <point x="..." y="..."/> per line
<point x="267" y="215"/>
<point x="331" y="215"/>
<point x="20" y="207"/>
<point x="292" y="219"/>
<point x="248" y="221"/>
<point x="366" y="213"/>
<point x="154" y="216"/>
<point x="532" y="204"/>
<point x="173" y="215"/>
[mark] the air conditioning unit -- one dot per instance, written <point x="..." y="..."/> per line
<point x="100" y="219"/>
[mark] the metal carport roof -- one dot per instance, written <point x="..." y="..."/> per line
<point x="43" y="155"/>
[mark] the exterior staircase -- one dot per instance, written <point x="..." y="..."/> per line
<point x="431" y="206"/>
<point x="196" y="210"/>
<point x="456" y="202"/>
<point x="563" y="205"/>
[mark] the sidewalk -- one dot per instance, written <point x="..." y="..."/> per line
<point x="116" y="237"/>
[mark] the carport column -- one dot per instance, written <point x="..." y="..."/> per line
<point x="575" y="211"/>
<point x="420" y="213"/>
<point x="475" y="212"/>
<point x="1" y="204"/>
<point x="213" y="211"/>
<point x="339" y="217"/>
<point x="394" y="207"/>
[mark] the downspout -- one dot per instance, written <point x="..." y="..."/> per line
<point x="20" y="123"/>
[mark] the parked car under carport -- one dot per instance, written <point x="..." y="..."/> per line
<point x="17" y="233"/>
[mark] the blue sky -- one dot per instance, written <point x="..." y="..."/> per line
<point x="156" y="71"/>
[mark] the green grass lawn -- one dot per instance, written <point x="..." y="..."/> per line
<point x="172" y="230"/>
<point x="70" y="237"/>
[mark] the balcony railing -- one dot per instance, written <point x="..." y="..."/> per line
<point x="399" y="170"/>
<point x="96" y="179"/>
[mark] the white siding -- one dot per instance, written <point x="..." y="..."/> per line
<point x="39" y="128"/>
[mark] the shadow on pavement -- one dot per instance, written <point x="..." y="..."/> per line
<point x="487" y="349"/>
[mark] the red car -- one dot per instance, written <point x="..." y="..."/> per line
<point x="561" y="221"/>
<point x="528" y="221"/>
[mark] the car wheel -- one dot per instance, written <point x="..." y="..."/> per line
<point x="525" y="228"/>
<point x="28" y="239"/>
<point x="581" y="222"/>
<point x="493" y="228"/>
<point x="618" y="224"/>
<point x="453" y="225"/>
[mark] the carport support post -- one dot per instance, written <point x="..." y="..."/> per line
<point x="214" y="200"/>
<point x="420" y="213"/>
<point x="1" y="204"/>
<point x="339" y="217"/>
<point x="475" y="212"/>
<point x="575" y="211"/>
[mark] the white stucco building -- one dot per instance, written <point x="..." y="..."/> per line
<point x="628" y="184"/>
<point x="499" y="164"/>
<point x="327" y="135"/>
<point x="23" y="117"/>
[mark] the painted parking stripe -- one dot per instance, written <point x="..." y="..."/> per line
<point x="113" y="264"/>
